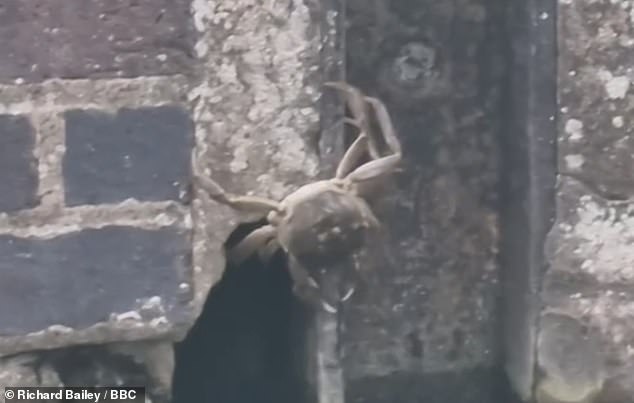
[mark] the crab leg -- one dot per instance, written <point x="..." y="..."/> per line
<point x="304" y="286"/>
<point x="250" y="244"/>
<point x="357" y="104"/>
<point x="378" y="168"/>
<point x="242" y="203"/>
<point x="385" y="122"/>
<point x="352" y="156"/>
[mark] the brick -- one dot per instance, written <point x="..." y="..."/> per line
<point x="79" y="279"/>
<point x="18" y="169"/>
<point x="100" y="38"/>
<point x="136" y="153"/>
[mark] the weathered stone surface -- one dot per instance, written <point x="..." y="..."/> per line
<point x="257" y="129"/>
<point x="590" y="249"/>
<point x="429" y="309"/>
<point x="121" y="364"/>
<point x="596" y="102"/>
<point x="18" y="169"/>
<point x="256" y="112"/>
<point x="157" y="359"/>
<point x="570" y="360"/>
<point x="593" y="239"/>
<point x="115" y="275"/>
<point x="26" y="370"/>
<point x="456" y="386"/>
<point x="74" y="39"/>
<point x="591" y="255"/>
<point x="137" y="153"/>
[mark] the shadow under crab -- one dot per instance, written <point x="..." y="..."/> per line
<point x="323" y="223"/>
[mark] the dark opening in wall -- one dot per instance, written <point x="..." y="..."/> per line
<point x="247" y="346"/>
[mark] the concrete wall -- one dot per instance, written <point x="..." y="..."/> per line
<point x="567" y="244"/>
<point x="517" y="182"/>
<point x="588" y="290"/>
<point x="426" y="328"/>
<point x="102" y="104"/>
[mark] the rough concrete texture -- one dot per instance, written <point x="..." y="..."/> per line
<point x="595" y="73"/>
<point x="257" y="119"/>
<point x="157" y="360"/>
<point x="77" y="39"/>
<point x="569" y="356"/>
<point x="253" y="99"/>
<point x="147" y="363"/>
<point x="257" y="116"/>
<point x="255" y="109"/>
<point x="428" y="313"/>
<point x="590" y="252"/>
<point x="591" y="246"/>
<point x="26" y="370"/>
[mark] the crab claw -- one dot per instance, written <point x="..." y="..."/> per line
<point x="348" y="294"/>
<point x="329" y="308"/>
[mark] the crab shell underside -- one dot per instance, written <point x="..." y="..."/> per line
<point x="323" y="224"/>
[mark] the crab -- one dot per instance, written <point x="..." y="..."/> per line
<point x="322" y="223"/>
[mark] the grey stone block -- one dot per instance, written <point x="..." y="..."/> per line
<point x="426" y="319"/>
<point x="148" y="363"/>
<point x="104" y="38"/>
<point x="456" y="386"/>
<point x="589" y="249"/>
<point x="25" y="370"/>
<point x="18" y="169"/>
<point x="96" y="275"/>
<point x="590" y="252"/>
<point x="137" y="153"/>
<point x="570" y="359"/>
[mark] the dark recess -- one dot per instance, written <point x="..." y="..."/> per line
<point x="504" y="67"/>
<point x="247" y="346"/>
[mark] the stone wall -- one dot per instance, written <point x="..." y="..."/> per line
<point x="514" y="118"/>
<point x="567" y="244"/>
<point x="589" y="287"/>
<point x="426" y="327"/>
<point x="95" y="228"/>
<point x="102" y="104"/>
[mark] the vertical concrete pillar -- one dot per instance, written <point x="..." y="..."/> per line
<point x="528" y="179"/>
<point x="568" y="241"/>
<point x="426" y="326"/>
